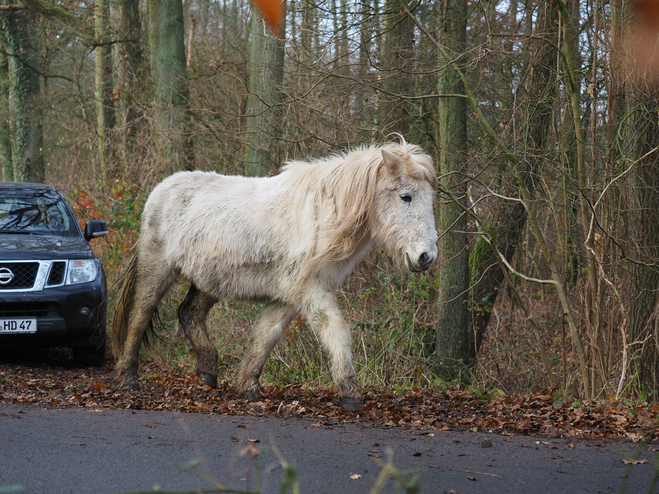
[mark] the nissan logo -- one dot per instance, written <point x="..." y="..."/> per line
<point x="6" y="275"/>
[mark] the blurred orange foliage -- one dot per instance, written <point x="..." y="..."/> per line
<point x="272" y="12"/>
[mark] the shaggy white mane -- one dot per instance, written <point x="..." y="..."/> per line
<point x="342" y="189"/>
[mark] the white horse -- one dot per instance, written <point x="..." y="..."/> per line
<point x="290" y="239"/>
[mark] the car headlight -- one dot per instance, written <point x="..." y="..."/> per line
<point x="81" y="271"/>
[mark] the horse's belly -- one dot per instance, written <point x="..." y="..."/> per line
<point x="240" y="283"/>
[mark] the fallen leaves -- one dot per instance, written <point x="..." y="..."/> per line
<point x="477" y="473"/>
<point x="627" y="461"/>
<point x="166" y="388"/>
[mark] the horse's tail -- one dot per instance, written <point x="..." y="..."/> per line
<point x="123" y="309"/>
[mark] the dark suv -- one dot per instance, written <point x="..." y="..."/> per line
<point x="52" y="289"/>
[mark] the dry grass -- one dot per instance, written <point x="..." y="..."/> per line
<point x="391" y="322"/>
<point x="391" y="313"/>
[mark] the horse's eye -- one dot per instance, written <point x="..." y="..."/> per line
<point x="407" y="197"/>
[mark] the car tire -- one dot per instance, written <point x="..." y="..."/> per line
<point x="93" y="356"/>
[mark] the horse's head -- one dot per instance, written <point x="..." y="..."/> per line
<point x="403" y="209"/>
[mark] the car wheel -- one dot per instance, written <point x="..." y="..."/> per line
<point x="91" y="356"/>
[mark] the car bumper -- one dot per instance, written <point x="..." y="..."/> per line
<point x="71" y="315"/>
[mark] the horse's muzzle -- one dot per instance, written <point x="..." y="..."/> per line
<point x="424" y="261"/>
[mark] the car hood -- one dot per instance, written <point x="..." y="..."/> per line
<point x="44" y="247"/>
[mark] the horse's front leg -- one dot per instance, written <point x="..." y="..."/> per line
<point x="270" y="327"/>
<point x="326" y="319"/>
<point x="192" y="315"/>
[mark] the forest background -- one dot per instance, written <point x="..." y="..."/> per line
<point x="542" y="118"/>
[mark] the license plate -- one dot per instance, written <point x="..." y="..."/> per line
<point x="14" y="326"/>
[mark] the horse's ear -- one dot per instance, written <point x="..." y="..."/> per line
<point x="392" y="162"/>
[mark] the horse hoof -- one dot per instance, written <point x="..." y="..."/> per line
<point x="209" y="380"/>
<point x="351" y="404"/>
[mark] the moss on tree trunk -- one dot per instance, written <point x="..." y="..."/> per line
<point x="455" y="345"/>
<point x="25" y="109"/>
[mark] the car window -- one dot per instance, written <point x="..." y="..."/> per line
<point x="35" y="213"/>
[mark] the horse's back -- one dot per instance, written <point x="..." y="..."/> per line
<point x="196" y="199"/>
<point x="217" y="230"/>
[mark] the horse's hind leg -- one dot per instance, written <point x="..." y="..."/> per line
<point x="152" y="283"/>
<point x="192" y="314"/>
<point x="270" y="327"/>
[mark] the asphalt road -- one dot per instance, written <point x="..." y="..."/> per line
<point x="112" y="451"/>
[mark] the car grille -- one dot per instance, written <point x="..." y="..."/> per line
<point x="56" y="276"/>
<point x="28" y="309"/>
<point x="24" y="273"/>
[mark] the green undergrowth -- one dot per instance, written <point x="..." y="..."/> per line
<point x="392" y="314"/>
<point x="391" y="319"/>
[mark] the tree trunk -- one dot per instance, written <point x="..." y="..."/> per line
<point x="25" y="111"/>
<point x="306" y="29"/>
<point x="644" y="245"/>
<point x="153" y="35"/>
<point x="263" y="113"/>
<point x="6" y="167"/>
<point x="306" y="68"/>
<point x="570" y="130"/>
<point x="130" y="67"/>
<point x="105" y="116"/>
<point x="455" y="343"/>
<point x="397" y="54"/>
<point x="343" y="57"/>
<point x="616" y="101"/>
<point x="169" y="66"/>
<point x="366" y="34"/>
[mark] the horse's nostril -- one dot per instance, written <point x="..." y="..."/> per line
<point x="423" y="259"/>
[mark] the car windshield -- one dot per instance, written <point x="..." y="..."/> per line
<point x="38" y="212"/>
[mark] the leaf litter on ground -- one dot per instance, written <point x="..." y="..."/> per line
<point x="166" y="387"/>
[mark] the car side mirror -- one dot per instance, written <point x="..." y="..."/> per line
<point x="95" y="229"/>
